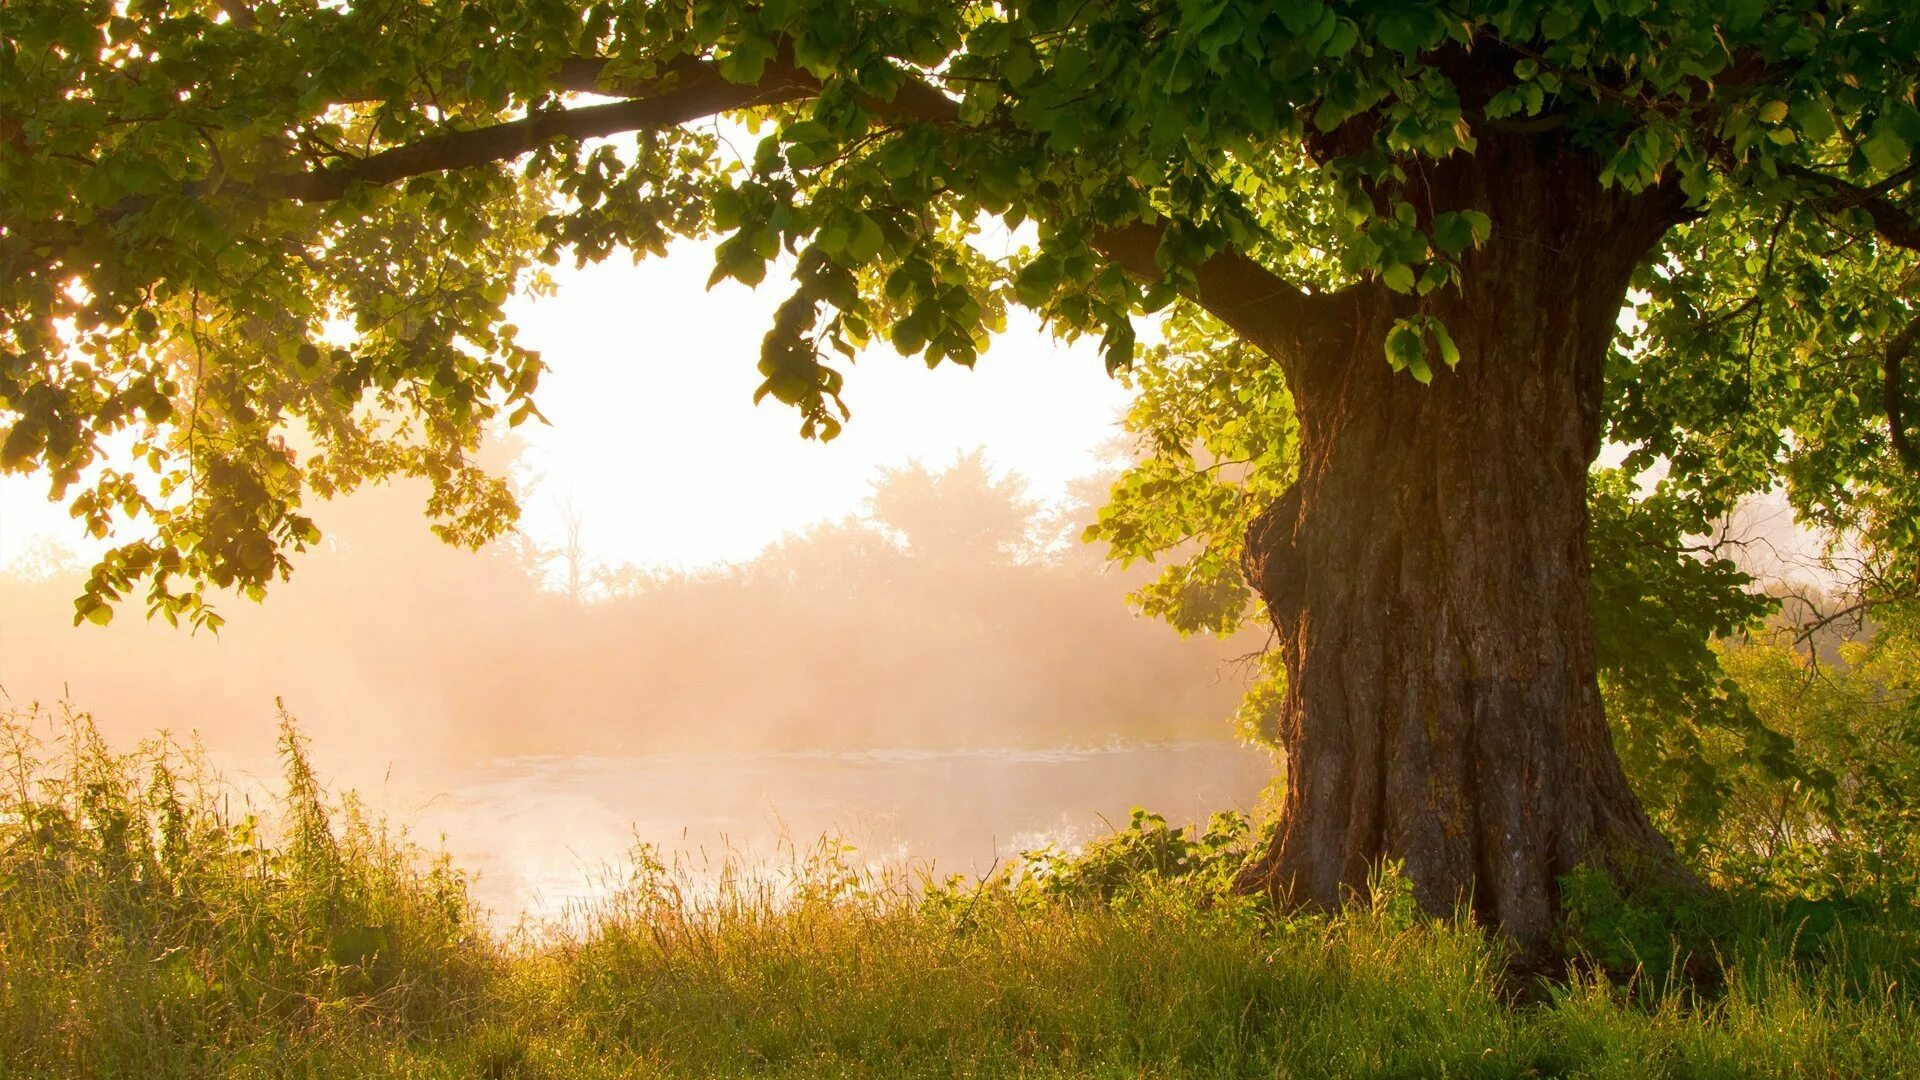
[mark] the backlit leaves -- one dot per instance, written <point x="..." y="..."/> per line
<point x="175" y="290"/>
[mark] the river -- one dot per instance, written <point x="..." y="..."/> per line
<point x="544" y="834"/>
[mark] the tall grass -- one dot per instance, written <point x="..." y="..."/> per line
<point x="147" y="928"/>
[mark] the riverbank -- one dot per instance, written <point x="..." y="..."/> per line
<point x="149" y="929"/>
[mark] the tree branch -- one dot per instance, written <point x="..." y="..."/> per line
<point x="1256" y="303"/>
<point x="692" y="89"/>
<point x="1893" y="222"/>
<point x="917" y="100"/>
<point x="1893" y="395"/>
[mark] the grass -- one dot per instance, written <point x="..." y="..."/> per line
<point x="147" y="930"/>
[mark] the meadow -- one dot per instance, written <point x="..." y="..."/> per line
<point x="151" y="927"/>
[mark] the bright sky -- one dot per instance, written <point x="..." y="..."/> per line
<point x="656" y="442"/>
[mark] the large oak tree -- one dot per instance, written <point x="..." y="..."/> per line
<point x="1398" y="236"/>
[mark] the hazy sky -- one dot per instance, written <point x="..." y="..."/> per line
<point x="658" y="445"/>
<point x="656" y="437"/>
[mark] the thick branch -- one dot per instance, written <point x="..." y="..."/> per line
<point x="916" y="101"/>
<point x="693" y="90"/>
<point x="1254" y="302"/>
<point x="1893" y="222"/>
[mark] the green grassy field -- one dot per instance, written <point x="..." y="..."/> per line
<point x="147" y="931"/>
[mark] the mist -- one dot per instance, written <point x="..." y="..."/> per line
<point x="947" y="675"/>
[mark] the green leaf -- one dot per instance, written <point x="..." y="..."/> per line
<point x="806" y="131"/>
<point x="1481" y="224"/>
<point x="1036" y="281"/>
<point x="1409" y="30"/>
<point x="1070" y="64"/>
<point x="1814" y="117"/>
<point x="1300" y="16"/>
<point x="1452" y="232"/>
<point x="1345" y="36"/>
<point x="866" y="241"/>
<point x="1449" y="352"/>
<point x="1884" y="147"/>
<point x="1405" y="346"/>
<point x="92" y="610"/>
<point x="746" y="62"/>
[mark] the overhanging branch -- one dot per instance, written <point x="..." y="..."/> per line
<point x="1891" y="221"/>
<point x="692" y="90"/>
<point x="1255" y="302"/>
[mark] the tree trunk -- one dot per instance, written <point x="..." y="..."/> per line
<point x="1428" y="572"/>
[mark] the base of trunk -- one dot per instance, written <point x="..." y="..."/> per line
<point x="1523" y="908"/>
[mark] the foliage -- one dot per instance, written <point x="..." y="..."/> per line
<point x="924" y="508"/>
<point x="1147" y="854"/>
<point x="1857" y="726"/>
<point x="223" y="945"/>
<point x="1661" y="599"/>
<point x="231" y="224"/>
<point x="1214" y="426"/>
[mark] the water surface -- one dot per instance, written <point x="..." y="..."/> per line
<point x="544" y="832"/>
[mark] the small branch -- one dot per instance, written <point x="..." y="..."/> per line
<point x="1858" y="611"/>
<point x="1893" y="395"/>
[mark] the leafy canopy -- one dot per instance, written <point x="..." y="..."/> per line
<point x="257" y="251"/>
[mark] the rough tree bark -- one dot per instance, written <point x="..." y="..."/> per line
<point x="1428" y="572"/>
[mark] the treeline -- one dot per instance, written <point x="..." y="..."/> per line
<point x="956" y="611"/>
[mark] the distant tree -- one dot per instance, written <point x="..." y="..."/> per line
<point x="959" y="515"/>
<point x="573" y="549"/>
<point x="848" y="558"/>
<point x="45" y="559"/>
<point x="1419" y="222"/>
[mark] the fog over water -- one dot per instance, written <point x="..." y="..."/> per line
<point x="543" y="832"/>
<point x="943" y="680"/>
